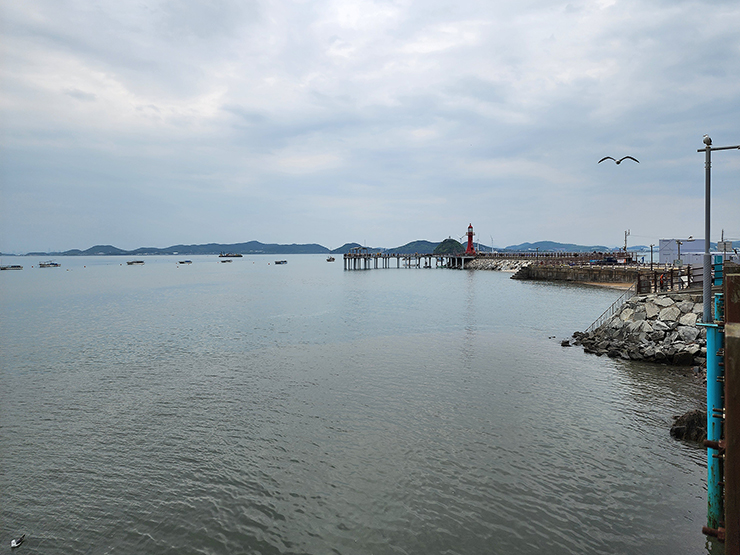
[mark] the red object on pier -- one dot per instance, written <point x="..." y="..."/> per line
<point x="470" y="249"/>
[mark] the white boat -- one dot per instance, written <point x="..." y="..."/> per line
<point x="49" y="264"/>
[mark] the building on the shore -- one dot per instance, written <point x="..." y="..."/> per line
<point x="691" y="252"/>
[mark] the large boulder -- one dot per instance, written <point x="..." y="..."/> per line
<point x="651" y="311"/>
<point x="692" y="426"/>
<point x="688" y="319"/>
<point x="688" y="333"/>
<point x="669" y="314"/>
<point x="664" y="302"/>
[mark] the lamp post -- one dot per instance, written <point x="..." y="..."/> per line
<point x="715" y="511"/>
<point x="678" y="244"/>
<point x="707" y="283"/>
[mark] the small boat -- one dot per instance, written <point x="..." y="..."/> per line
<point x="281" y="262"/>
<point x="17" y="541"/>
<point x="225" y="261"/>
<point x="49" y="264"/>
<point x="135" y="262"/>
<point x="12" y="267"/>
<point x="185" y="262"/>
<point x="229" y="255"/>
<point x="330" y="259"/>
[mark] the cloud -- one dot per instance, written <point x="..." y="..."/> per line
<point x="396" y="120"/>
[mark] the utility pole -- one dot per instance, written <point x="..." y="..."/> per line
<point x="715" y="405"/>
<point x="626" y="233"/>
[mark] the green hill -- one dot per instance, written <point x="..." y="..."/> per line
<point x="420" y="247"/>
<point x="449" y="246"/>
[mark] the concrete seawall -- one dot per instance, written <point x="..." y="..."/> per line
<point x="585" y="274"/>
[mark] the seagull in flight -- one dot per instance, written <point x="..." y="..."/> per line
<point x="618" y="161"/>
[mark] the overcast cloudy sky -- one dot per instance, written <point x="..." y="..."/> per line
<point x="158" y="122"/>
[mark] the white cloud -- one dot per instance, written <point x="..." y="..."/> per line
<point x="442" y="112"/>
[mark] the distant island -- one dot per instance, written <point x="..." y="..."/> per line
<point x="255" y="247"/>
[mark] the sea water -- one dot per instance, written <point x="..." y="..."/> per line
<point x="248" y="407"/>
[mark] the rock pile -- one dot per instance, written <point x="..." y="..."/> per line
<point x="692" y="426"/>
<point x="656" y="328"/>
<point x="497" y="264"/>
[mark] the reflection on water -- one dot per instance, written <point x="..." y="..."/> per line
<point x="302" y="409"/>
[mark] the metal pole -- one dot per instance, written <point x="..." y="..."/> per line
<point x="707" y="284"/>
<point x="715" y="510"/>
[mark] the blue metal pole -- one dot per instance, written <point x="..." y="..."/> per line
<point x="715" y="510"/>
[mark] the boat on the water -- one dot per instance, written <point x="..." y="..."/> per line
<point x="49" y="264"/>
<point x="281" y="262"/>
<point x="185" y="262"/>
<point x="330" y="259"/>
<point x="227" y="260"/>
<point x="135" y="262"/>
<point x="229" y="255"/>
<point x="12" y="267"/>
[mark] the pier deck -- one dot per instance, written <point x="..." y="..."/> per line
<point x="360" y="258"/>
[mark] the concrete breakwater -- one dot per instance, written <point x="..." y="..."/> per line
<point x="656" y="328"/>
<point x="580" y="273"/>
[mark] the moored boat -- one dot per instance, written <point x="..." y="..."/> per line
<point x="49" y="264"/>
<point x="330" y="259"/>
<point x="12" y="267"/>
<point x="229" y="255"/>
<point x="185" y="262"/>
<point x="135" y="262"/>
<point x="281" y="262"/>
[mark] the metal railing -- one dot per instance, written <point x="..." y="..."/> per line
<point x="609" y="312"/>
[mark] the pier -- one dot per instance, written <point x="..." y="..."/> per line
<point x="361" y="258"/>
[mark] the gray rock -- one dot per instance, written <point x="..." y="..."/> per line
<point x="664" y="302"/>
<point x="688" y="319"/>
<point x="651" y="311"/>
<point x="657" y="336"/>
<point x="693" y="349"/>
<point x="669" y="314"/>
<point x="626" y="314"/>
<point x="685" y="306"/>
<point x="688" y="333"/>
<point x="692" y="426"/>
<point x="660" y="326"/>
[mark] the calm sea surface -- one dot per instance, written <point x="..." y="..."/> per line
<point x="252" y="408"/>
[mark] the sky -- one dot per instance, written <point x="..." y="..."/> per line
<point x="163" y="122"/>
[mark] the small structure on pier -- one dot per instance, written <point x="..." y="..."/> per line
<point x="470" y="250"/>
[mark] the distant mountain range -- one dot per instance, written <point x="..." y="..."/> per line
<point x="255" y="247"/>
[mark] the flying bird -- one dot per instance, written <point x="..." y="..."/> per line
<point x="618" y="161"/>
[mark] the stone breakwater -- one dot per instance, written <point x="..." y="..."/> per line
<point x="655" y="328"/>
<point x="497" y="264"/>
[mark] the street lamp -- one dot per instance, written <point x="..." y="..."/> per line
<point x="707" y="283"/>
<point x="678" y="244"/>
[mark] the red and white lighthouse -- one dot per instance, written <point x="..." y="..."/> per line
<point x="470" y="249"/>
